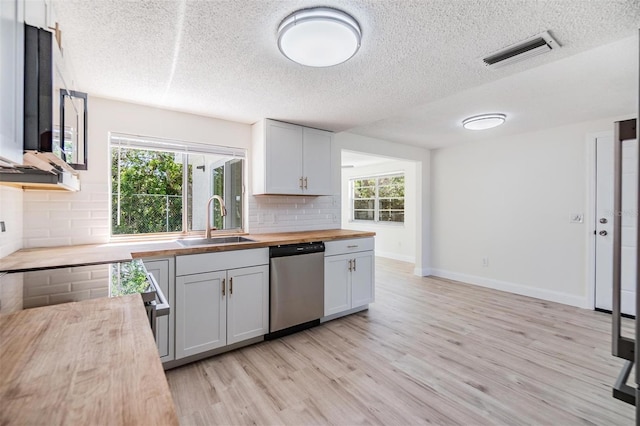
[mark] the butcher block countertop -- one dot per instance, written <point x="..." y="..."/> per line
<point x="65" y="256"/>
<point x="89" y="362"/>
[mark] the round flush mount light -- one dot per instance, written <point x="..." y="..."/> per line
<point x="483" y="121"/>
<point x="319" y="37"/>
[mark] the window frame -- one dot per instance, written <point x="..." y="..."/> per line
<point x="185" y="148"/>
<point x="376" y="199"/>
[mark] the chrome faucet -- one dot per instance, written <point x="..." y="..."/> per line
<point x="223" y="212"/>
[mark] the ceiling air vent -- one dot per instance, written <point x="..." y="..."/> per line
<point x="533" y="46"/>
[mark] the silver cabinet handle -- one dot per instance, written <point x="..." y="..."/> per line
<point x="603" y="233"/>
<point x="350" y="265"/>
<point x="305" y="182"/>
<point x="223" y="286"/>
<point x="354" y="265"/>
<point x="354" y="246"/>
<point x="301" y="186"/>
<point x="231" y="285"/>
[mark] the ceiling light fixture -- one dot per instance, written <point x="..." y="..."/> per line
<point x="319" y="37"/>
<point x="483" y="121"/>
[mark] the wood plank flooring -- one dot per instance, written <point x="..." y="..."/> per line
<point x="428" y="351"/>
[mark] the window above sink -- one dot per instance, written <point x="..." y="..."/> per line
<point x="161" y="187"/>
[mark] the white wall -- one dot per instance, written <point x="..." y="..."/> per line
<point x="421" y="157"/>
<point x="11" y="211"/>
<point x="393" y="240"/>
<point x="510" y="200"/>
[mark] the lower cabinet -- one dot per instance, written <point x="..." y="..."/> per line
<point x="348" y="281"/>
<point x="216" y="309"/>
<point x="164" y="273"/>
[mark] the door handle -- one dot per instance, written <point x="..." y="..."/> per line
<point x="223" y="287"/>
<point x="603" y="233"/>
<point x="350" y="265"/>
<point x="301" y="186"/>
<point x="354" y="265"/>
<point x="231" y="285"/>
<point x="305" y="182"/>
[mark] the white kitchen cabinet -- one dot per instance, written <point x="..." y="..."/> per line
<point x="248" y="303"/>
<point x="290" y="160"/>
<point x="225" y="305"/>
<point x="349" y="280"/>
<point x="316" y="161"/>
<point x="11" y="79"/>
<point x="164" y="274"/>
<point x="337" y="289"/>
<point x="201" y="313"/>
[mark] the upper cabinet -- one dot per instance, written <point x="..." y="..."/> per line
<point x="290" y="160"/>
<point x="11" y="79"/>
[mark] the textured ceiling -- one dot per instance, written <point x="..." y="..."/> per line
<point x="220" y="58"/>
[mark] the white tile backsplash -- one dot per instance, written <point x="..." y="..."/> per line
<point x="63" y="218"/>
<point x="282" y="213"/>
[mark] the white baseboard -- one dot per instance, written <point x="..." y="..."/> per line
<point x="396" y="256"/>
<point x="422" y="272"/>
<point x="538" y="293"/>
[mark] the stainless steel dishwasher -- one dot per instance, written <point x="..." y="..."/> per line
<point x="296" y="287"/>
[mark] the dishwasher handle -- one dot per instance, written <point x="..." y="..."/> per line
<point x="162" y="308"/>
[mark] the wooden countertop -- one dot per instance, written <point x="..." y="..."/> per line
<point x="90" y="362"/>
<point x="65" y="256"/>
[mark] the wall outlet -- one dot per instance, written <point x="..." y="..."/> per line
<point x="576" y="218"/>
<point x="485" y="261"/>
<point x="3" y="228"/>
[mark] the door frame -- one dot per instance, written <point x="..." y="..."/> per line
<point x="590" y="216"/>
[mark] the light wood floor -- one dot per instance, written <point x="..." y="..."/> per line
<point x="428" y="351"/>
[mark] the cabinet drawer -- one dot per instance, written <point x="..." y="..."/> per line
<point x="209" y="262"/>
<point x="348" y="246"/>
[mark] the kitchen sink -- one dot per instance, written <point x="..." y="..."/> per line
<point x="212" y="241"/>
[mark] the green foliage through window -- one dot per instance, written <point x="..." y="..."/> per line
<point x="378" y="198"/>
<point x="146" y="188"/>
<point x="160" y="186"/>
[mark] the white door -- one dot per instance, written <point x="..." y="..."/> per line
<point x="284" y="158"/>
<point x="604" y="223"/>
<point x="201" y="313"/>
<point x="247" y="303"/>
<point x="337" y="287"/>
<point x="362" y="280"/>
<point x="316" y="161"/>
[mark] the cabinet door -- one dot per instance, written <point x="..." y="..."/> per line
<point x="316" y="161"/>
<point x="201" y="312"/>
<point x="247" y="303"/>
<point x="162" y="271"/>
<point x="283" y="169"/>
<point x="362" y="279"/>
<point x="337" y="291"/>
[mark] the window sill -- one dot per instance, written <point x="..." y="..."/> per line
<point x="132" y="238"/>
<point x="371" y="222"/>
